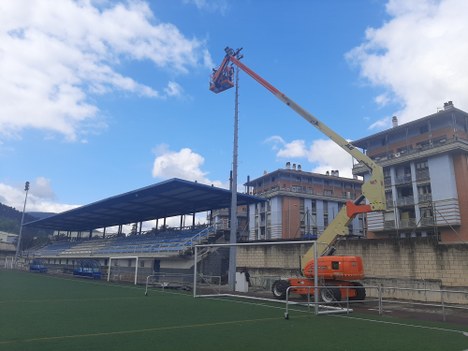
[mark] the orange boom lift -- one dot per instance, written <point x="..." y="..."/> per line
<point x="338" y="276"/>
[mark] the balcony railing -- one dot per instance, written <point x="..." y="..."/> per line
<point x="408" y="223"/>
<point x="300" y="190"/>
<point x="403" y="179"/>
<point x="405" y="201"/>
<point x="422" y="174"/>
<point x="425" y="197"/>
<point x="427" y="221"/>
<point x="389" y="225"/>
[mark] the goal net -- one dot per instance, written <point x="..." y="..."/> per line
<point x="257" y="266"/>
<point x="123" y="269"/>
<point x="263" y="271"/>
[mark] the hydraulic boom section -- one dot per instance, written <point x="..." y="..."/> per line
<point x="372" y="188"/>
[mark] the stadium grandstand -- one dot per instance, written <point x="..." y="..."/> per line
<point x="81" y="232"/>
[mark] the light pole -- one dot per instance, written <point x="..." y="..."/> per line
<point x="18" y="244"/>
<point x="233" y="214"/>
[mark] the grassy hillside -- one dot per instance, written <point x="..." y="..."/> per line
<point x="10" y="221"/>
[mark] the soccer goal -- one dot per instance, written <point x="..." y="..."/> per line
<point x="267" y="271"/>
<point x="123" y="269"/>
<point x="258" y="265"/>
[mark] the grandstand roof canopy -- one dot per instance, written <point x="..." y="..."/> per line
<point x="166" y="199"/>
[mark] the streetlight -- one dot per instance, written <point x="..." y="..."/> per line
<point x="18" y="244"/>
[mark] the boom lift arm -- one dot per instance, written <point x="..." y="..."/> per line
<point x="372" y="188"/>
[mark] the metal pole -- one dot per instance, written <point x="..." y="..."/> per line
<point x="380" y="301"/>
<point x="233" y="233"/>
<point x="109" y="269"/>
<point x="195" y="259"/>
<point x="443" y="305"/>
<point x="136" y="269"/>
<point x="316" y="291"/>
<point x="18" y="245"/>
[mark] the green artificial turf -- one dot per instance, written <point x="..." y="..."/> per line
<point x="41" y="312"/>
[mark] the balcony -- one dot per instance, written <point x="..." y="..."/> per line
<point x="422" y="175"/>
<point x="425" y="198"/>
<point x="403" y="179"/>
<point x="427" y="222"/>
<point x="405" y="201"/>
<point x="336" y="193"/>
<point x="388" y="225"/>
<point x="387" y="181"/>
<point x="408" y="223"/>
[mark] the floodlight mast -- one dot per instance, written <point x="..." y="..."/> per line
<point x="18" y="244"/>
<point x="373" y="189"/>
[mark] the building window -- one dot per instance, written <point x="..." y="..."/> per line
<point x="421" y="165"/>
<point x="424" y="189"/>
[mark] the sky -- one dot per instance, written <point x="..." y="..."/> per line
<point x="102" y="97"/>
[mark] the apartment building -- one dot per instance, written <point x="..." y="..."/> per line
<point x="221" y="219"/>
<point x="300" y="204"/>
<point x="425" y="166"/>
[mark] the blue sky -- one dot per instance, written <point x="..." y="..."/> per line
<point x="103" y="97"/>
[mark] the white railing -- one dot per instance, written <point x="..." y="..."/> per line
<point x="436" y="301"/>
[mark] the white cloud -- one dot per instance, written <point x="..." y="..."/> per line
<point x="327" y="156"/>
<point x="295" y="148"/>
<point x="382" y="99"/>
<point x="380" y="124"/>
<point x="54" y="55"/>
<point x="324" y="155"/>
<point x="173" y="89"/>
<point x="40" y="197"/>
<point x="184" y="164"/>
<point x="42" y="188"/>
<point x="220" y="6"/>
<point x="418" y="56"/>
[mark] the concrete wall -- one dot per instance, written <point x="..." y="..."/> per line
<point x="417" y="263"/>
<point x="415" y="258"/>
